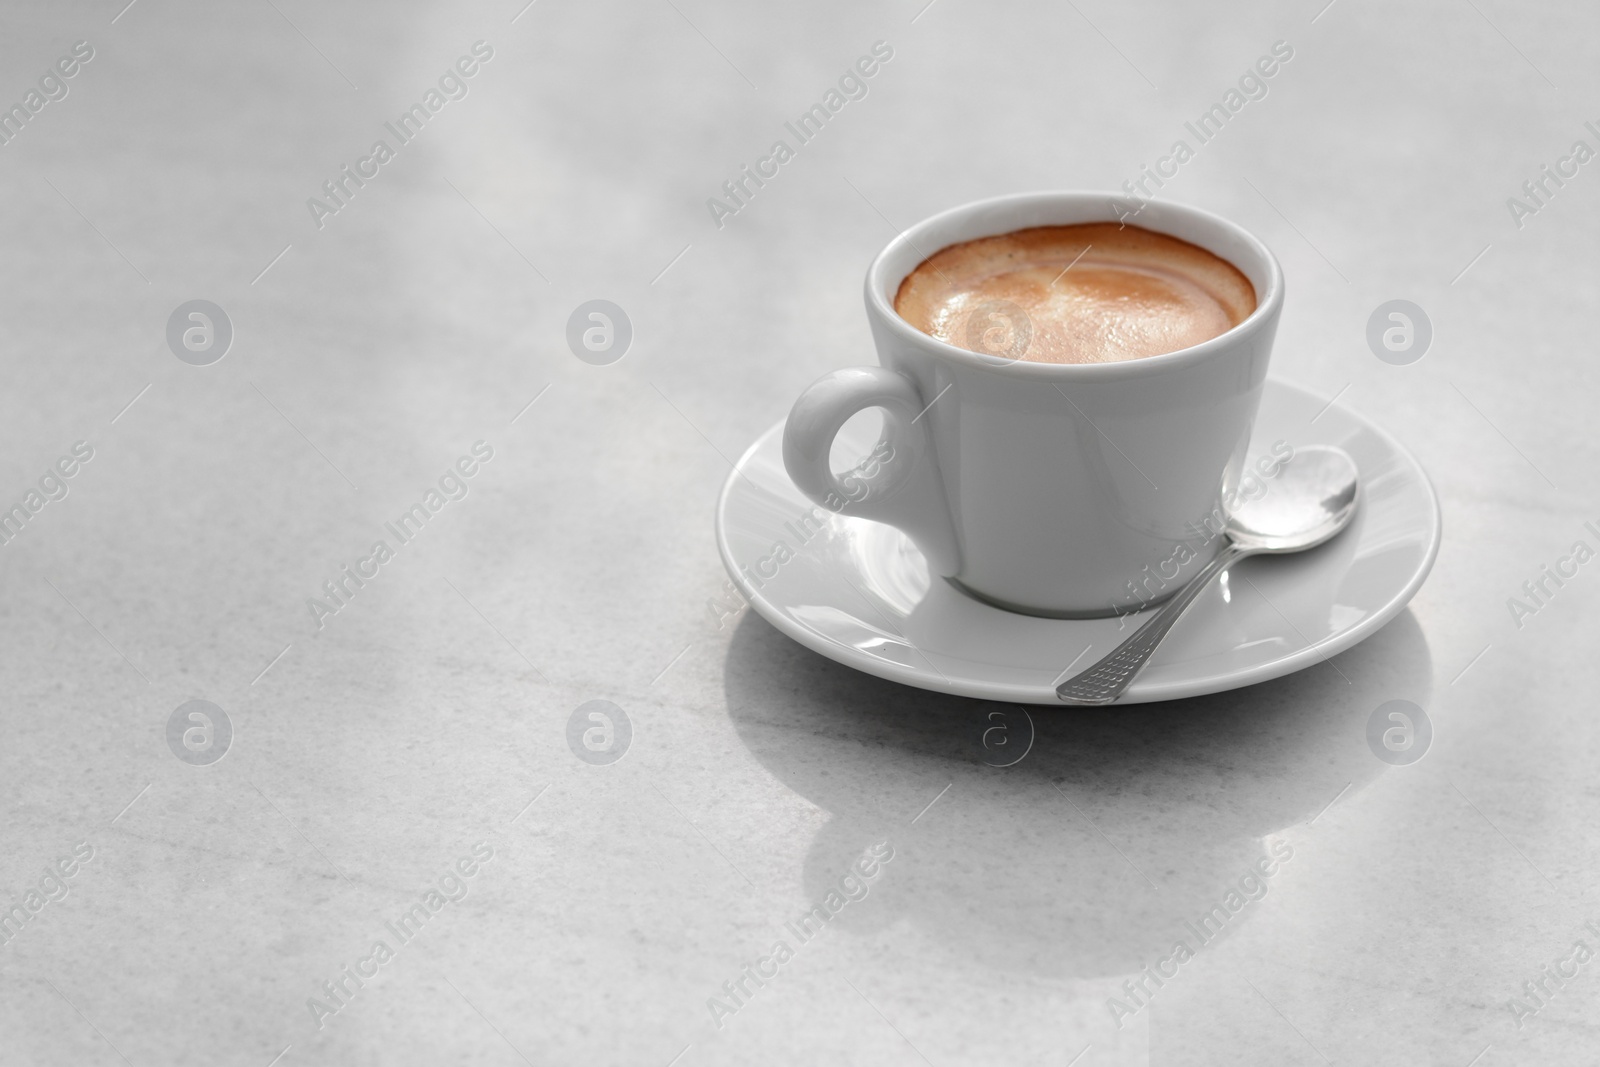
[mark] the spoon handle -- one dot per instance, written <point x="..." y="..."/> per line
<point x="1110" y="677"/>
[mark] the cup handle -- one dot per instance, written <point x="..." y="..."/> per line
<point x="898" y="483"/>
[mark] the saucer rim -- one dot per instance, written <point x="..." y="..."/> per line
<point x="1140" y="692"/>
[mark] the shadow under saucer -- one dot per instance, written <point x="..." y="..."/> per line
<point x="1085" y="857"/>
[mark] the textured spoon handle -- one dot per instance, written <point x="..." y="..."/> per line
<point x="1110" y="677"/>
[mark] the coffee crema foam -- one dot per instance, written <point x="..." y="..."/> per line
<point x="1090" y="293"/>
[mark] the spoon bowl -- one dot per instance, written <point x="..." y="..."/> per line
<point x="1313" y="498"/>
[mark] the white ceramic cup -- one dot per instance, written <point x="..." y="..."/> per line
<point x="1045" y="488"/>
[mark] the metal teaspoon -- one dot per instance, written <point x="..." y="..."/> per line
<point x="1309" y="502"/>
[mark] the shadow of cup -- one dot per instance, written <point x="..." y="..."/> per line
<point x="1116" y="827"/>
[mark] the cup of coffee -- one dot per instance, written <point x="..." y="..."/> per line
<point x="1066" y="399"/>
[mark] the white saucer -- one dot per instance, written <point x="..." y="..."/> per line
<point x="859" y="592"/>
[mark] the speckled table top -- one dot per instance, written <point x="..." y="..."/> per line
<point x="400" y="858"/>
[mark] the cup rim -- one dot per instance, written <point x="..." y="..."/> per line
<point x="878" y="302"/>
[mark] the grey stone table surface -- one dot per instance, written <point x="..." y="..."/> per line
<point x="378" y="753"/>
